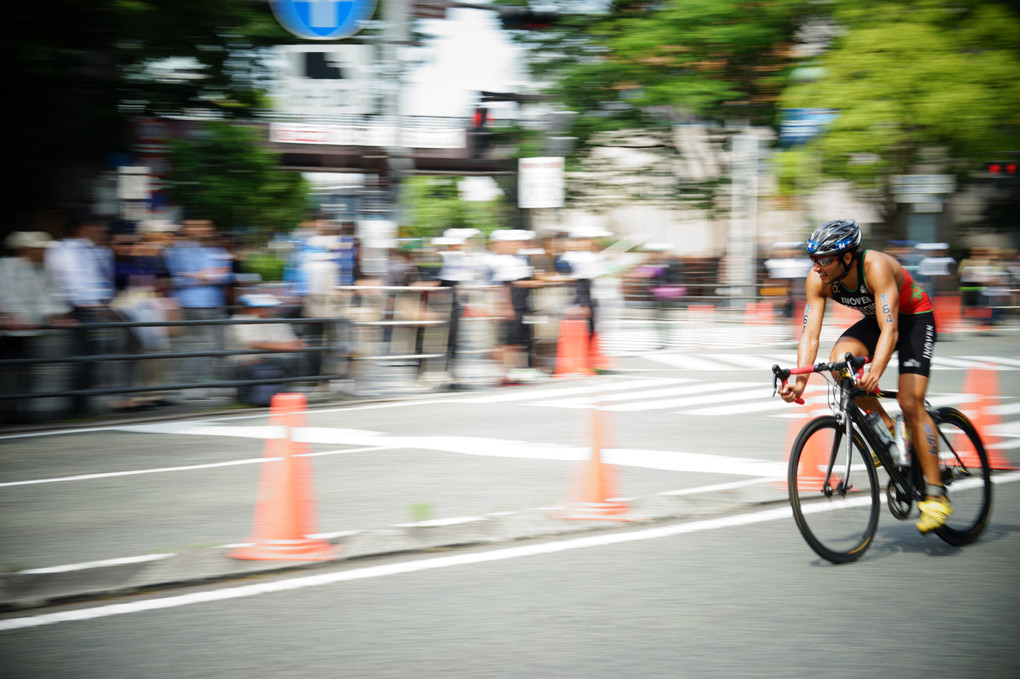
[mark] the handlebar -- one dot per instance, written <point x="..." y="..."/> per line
<point x="854" y="363"/>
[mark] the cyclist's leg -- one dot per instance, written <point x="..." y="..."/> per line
<point x="916" y="347"/>
<point x="860" y="339"/>
<point x="912" y="388"/>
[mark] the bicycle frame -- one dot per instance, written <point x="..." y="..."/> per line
<point x="851" y="416"/>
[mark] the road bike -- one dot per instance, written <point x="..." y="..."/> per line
<point x="837" y="460"/>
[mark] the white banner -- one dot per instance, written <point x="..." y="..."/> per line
<point x="540" y="183"/>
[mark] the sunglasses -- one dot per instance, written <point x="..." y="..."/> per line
<point x="824" y="261"/>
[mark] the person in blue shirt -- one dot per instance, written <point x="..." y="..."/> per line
<point x="198" y="272"/>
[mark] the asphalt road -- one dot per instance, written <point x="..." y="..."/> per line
<point x="734" y="601"/>
<point x="702" y="600"/>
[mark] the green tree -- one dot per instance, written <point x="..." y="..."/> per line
<point x="635" y="71"/>
<point x="920" y="83"/>
<point x="77" y="73"/>
<point x="641" y="65"/>
<point x="223" y="172"/>
<point x="433" y="204"/>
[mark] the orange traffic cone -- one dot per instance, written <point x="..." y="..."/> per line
<point x="596" y="485"/>
<point x="984" y="384"/>
<point x="814" y="458"/>
<point x="596" y="359"/>
<point x="572" y="349"/>
<point x="948" y="314"/>
<point x="285" y="512"/>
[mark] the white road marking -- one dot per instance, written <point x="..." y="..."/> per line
<point x="622" y="385"/>
<point x="994" y="359"/>
<point x="322" y="579"/>
<point x="184" y="468"/>
<point x="67" y="568"/>
<point x="502" y="554"/>
<point x="645" y="398"/>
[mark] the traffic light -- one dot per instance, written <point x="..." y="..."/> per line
<point x="1001" y="168"/>
<point x="480" y="119"/>
<point x="524" y="19"/>
<point x="480" y="136"/>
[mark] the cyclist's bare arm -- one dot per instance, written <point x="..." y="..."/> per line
<point x="807" y="348"/>
<point x="880" y="272"/>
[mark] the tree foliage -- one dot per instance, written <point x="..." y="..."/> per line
<point x="223" y="172"/>
<point x="434" y="205"/>
<point x="635" y="71"/>
<point x="78" y="71"/>
<point x="914" y="82"/>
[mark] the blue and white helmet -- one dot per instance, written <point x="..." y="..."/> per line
<point x="835" y="238"/>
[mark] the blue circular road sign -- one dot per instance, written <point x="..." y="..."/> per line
<point x="323" y="19"/>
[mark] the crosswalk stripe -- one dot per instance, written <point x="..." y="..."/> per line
<point x="699" y="397"/>
<point x="752" y="361"/>
<point x="516" y="395"/>
<point x="1005" y="409"/>
<point x="742" y="408"/>
<point x="602" y="400"/>
<point x="958" y="363"/>
<point x="995" y="359"/>
<point x="686" y="361"/>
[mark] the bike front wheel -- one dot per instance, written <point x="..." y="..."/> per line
<point x="834" y="491"/>
<point x="963" y="463"/>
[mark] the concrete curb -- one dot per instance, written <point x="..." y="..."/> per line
<point x="27" y="590"/>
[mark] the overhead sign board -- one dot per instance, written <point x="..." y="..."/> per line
<point x="540" y="182"/>
<point x="323" y="19"/>
<point x="801" y="125"/>
<point x="325" y="79"/>
<point x="368" y="134"/>
<point x="921" y="189"/>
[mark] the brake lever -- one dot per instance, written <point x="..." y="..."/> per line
<point x="781" y="375"/>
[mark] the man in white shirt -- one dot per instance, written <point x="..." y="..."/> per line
<point x="27" y="303"/>
<point x="81" y="269"/>
<point x="512" y="274"/>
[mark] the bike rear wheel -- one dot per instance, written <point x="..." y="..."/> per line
<point x="963" y="463"/>
<point x="837" y="518"/>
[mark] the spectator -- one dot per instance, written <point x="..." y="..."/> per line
<point x="81" y="269"/>
<point x="277" y="337"/>
<point x="583" y="264"/>
<point x="934" y="267"/>
<point x="512" y="275"/>
<point x="786" y="271"/>
<point x="141" y="298"/>
<point x="662" y="276"/>
<point x="27" y="303"/>
<point x="198" y="271"/>
<point x="974" y="273"/>
<point x="461" y="269"/>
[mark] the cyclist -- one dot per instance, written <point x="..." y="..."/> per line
<point x="898" y="316"/>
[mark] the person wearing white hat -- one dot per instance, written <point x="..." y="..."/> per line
<point x="27" y="303"/>
<point x="583" y="263"/>
<point x="461" y="268"/>
<point x="512" y="274"/>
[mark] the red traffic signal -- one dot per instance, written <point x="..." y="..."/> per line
<point x="1001" y="168"/>
<point x="480" y="118"/>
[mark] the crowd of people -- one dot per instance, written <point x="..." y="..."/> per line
<point x="179" y="287"/>
<point x="186" y="283"/>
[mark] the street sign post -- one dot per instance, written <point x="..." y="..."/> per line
<point x="323" y="19"/>
<point x="325" y="79"/>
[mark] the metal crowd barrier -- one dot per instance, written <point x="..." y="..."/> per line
<point x="116" y="357"/>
